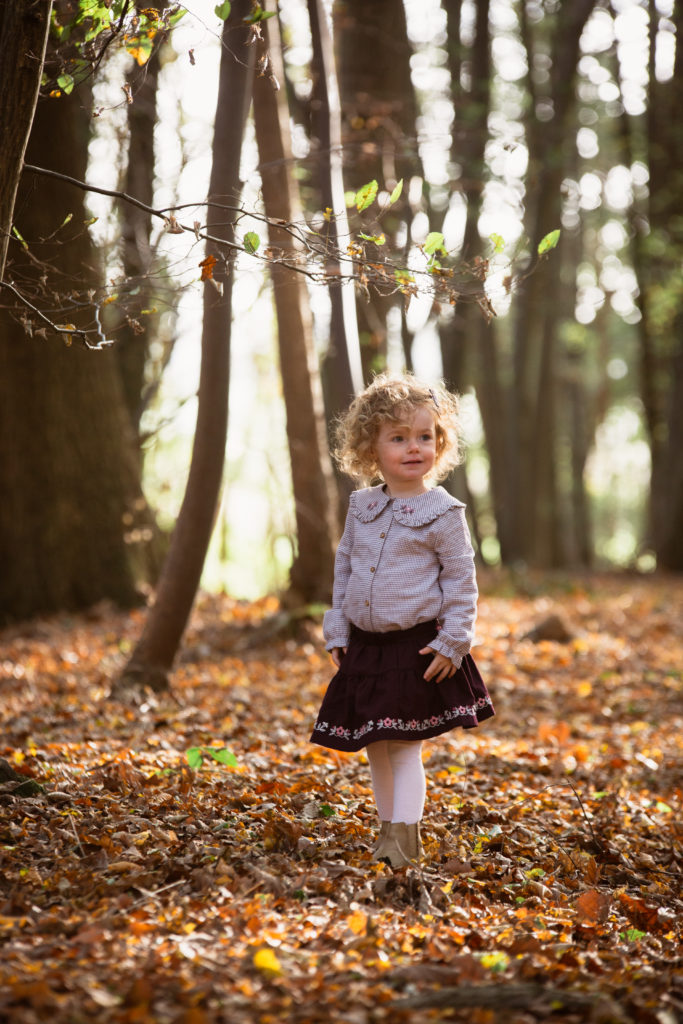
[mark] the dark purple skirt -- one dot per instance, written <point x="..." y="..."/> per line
<point x="379" y="693"/>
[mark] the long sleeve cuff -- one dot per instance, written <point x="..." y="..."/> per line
<point x="336" y="629"/>
<point x="451" y="648"/>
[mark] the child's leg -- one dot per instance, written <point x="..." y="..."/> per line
<point x="382" y="778"/>
<point x="409" y="784"/>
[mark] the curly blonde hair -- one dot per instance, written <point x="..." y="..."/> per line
<point x="391" y="398"/>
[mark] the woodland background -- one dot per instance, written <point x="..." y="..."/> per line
<point x="489" y="192"/>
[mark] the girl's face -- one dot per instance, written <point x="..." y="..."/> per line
<point x="406" y="452"/>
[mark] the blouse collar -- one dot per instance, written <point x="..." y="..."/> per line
<point x="418" y="510"/>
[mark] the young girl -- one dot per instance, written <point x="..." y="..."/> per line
<point x="404" y="602"/>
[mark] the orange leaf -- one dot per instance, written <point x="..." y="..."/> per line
<point x="592" y="906"/>
<point x="555" y="732"/>
<point x="207" y="266"/>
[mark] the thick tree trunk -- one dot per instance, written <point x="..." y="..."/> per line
<point x="73" y="520"/>
<point x="379" y="116"/>
<point x="311" y="572"/>
<point x="24" y="30"/>
<point x="155" y="652"/>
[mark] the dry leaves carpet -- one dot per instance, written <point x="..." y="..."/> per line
<point x="137" y="888"/>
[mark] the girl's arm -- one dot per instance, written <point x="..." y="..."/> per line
<point x="457" y="579"/>
<point x="336" y="626"/>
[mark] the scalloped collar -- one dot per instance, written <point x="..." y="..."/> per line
<point x="370" y="502"/>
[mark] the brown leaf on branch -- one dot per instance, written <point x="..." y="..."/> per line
<point x="207" y="266"/>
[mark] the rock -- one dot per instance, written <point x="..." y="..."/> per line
<point x="552" y="628"/>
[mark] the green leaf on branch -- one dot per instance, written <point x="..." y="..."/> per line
<point x="397" y="192"/>
<point x="498" y="243"/>
<point x="222" y="11"/>
<point x="377" y="239"/>
<point x="65" y="83"/>
<point x="349" y="199"/>
<point x="366" y="196"/>
<point x="258" y="14"/>
<point x="434" y="243"/>
<point x="20" y="237"/>
<point x="549" y="242"/>
<point x="251" y="242"/>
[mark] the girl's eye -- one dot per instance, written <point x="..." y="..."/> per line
<point x="397" y="437"/>
<point x="426" y="437"/>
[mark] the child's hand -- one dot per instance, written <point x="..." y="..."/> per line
<point x="440" y="667"/>
<point x="337" y="654"/>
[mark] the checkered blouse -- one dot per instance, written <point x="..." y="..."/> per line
<point x="402" y="561"/>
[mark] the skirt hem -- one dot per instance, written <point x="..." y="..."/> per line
<point x="374" y="735"/>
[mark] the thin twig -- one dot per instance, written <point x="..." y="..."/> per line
<point x="71" y="822"/>
<point x="62" y="328"/>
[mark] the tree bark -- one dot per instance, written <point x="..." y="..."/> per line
<point x="73" y="520"/>
<point x="470" y="133"/>
<point x="133" y="340"/>
<point x="155" y="652"/>
<point x="530" y="458"/>
<point x="341" y="371"/>
<point x="311" y="572"/>
<point x="24" y="29"/>
<point x="379" y="116"/>
<point x="662" y="333"/>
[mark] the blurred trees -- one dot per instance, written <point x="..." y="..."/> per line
<point x="657" y="251"/>
<point x="505" y="122"/>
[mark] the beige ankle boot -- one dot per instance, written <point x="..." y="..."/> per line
<point x="401" y="845"/>
<point x="414" y="842"/>
<point x="383" y="829"/>
<point x="391" y="849"/>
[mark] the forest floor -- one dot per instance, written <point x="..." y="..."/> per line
<point x="137" y="888"/>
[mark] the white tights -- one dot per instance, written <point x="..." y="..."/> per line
<point x="398" y="779"/>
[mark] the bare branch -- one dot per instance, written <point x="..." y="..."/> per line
<point x="67" y="329"/>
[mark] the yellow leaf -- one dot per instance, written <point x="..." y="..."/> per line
<point x="140" y="55"/>
<point x="357" y="922"/>
<point x="267" y="962"/>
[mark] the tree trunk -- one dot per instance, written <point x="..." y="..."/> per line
<point x="132" y="344"/>
<point x="661" y="328"/>
<point x="311" y="572"/>
<point x="379" y="132"/>
<point x="73" y="521"/>
<point x="341" y="372"/>
<point x="155" y="652"/>
<point x="24" y="30"/>
<point x="470" y="134"/>
<point x="530" y="458"/>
